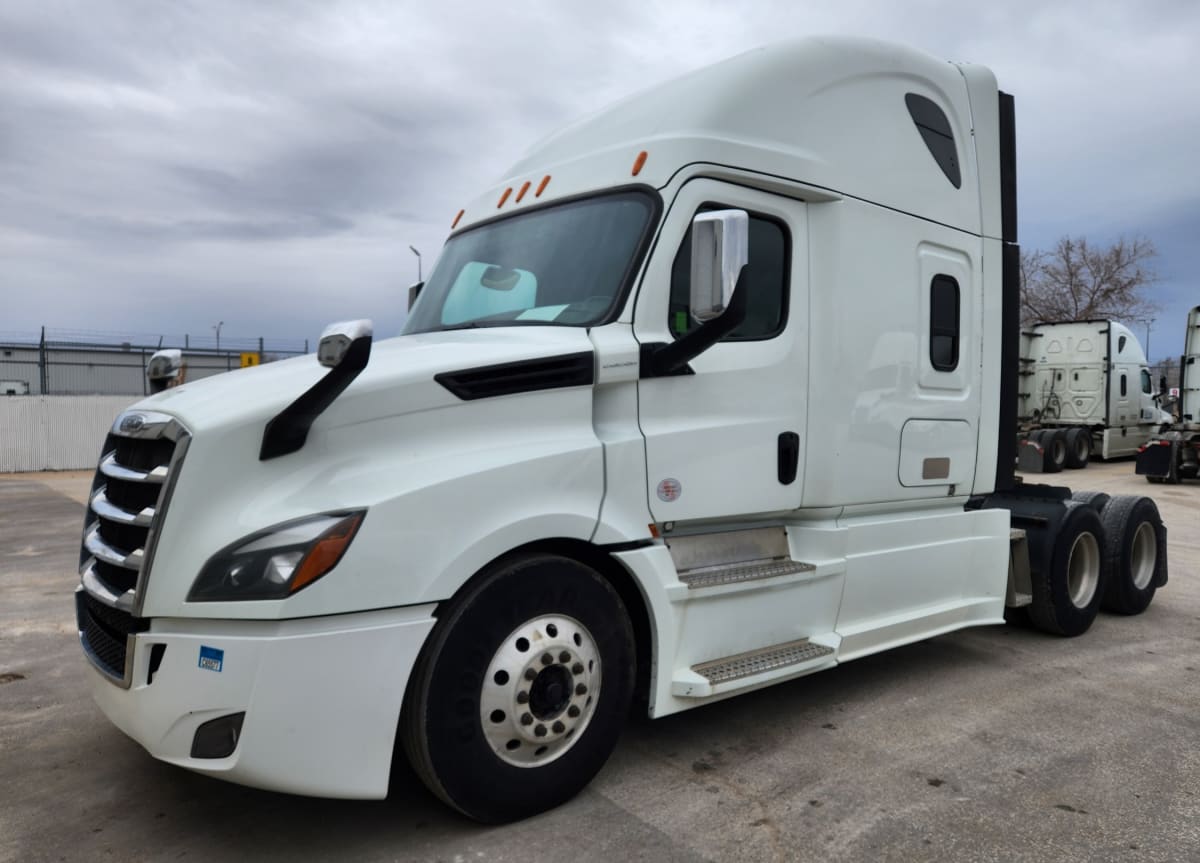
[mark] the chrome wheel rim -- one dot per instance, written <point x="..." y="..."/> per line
<point x="1144" y="555"/>
<point x="1083" y="570"/>
<point x="540" y="690"/>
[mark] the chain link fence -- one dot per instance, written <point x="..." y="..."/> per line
<point x="72" y="362"/>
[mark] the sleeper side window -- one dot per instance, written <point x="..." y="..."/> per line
<point x="765" y="281"/>
<point x="943" y="323"/>
<point x="1124" y="389"/>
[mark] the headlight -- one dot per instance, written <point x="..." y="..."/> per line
<point x="277" y="562"/>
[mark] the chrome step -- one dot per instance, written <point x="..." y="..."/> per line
<point x="756" y="668"/>
<point x="761" y="660"/>
<point x="711" y="576"/>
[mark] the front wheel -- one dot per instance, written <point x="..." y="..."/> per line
<point x="520" y="695"/>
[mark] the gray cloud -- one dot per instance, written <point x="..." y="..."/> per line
<point x="268" y="164"/>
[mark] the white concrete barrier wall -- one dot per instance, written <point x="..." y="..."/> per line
<point x="55" y="432"/>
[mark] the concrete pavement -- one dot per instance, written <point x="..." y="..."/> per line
<point x="990" y="744"/>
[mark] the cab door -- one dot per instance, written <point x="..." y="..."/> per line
<point x="724" y="441"/>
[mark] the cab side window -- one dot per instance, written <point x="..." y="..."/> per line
<point x="1146" y="386"/>
<point x="765" y="281"/>
<point x="944" y="323"/>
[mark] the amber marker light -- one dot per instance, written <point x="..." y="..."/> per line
<point x="457" y="219"/>
<point x="653" y="530"/>
<point x="521" y="194"/>
<point x="325" y="553"/>
<point x="542" y="186"/>
<point x="638" y="162"/>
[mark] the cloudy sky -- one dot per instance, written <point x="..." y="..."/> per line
<point x="165" y="166"/>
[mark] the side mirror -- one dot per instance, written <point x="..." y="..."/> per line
<point x="337" y="338"/>
<point x="720" y="249"/>
<point x="165" y="370"/>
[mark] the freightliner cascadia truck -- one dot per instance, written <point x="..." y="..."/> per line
<point x="1174" y="454"/>
<point x="715" y="389"/>
<point x="1085" y="388"/>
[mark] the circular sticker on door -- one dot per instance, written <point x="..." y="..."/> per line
<point x="669" y="489"/>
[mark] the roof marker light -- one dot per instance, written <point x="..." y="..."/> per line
<point x="638" y="162"/>
<point x="542" y="186"/>
<point x="457" y="219"/>
<point x="521" y="194"/>
<point x="504" y="197"/>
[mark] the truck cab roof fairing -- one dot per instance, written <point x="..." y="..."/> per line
<point x="826" y="111"/>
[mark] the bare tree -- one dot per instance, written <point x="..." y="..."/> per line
<point x="1077" y="281"/>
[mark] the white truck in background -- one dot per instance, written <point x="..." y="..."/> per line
<point x="1085" y="389"/>
<point x="1174" y="454"/>
<point x="715" y="389"/>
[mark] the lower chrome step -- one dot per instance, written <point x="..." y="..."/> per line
<point x="752" y="668"/>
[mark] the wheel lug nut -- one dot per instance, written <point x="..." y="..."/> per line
<point x="527" y="719"/>
<point x="558" y="728"/>
<point x="540" y="731"/>
<point x="572" y="711"/>
<point x="580" y="689"/>
<point x="530" y="674"/>
<point x="522" y="697"/>
<point x="547" y="659"/>
<point x="564" y="657"/>
<point x="577" y="668"/>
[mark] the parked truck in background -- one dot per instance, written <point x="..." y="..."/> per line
<point x="1174" y="453"/>
<point x="1085" y="389"/>
<point x="715" y="389"/>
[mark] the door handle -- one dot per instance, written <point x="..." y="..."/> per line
<point x="789" y="457"/>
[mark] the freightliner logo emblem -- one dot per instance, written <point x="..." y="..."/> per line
<point x="133" y="423"/>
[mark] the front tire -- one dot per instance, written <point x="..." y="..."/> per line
<point x="521" y="692"/>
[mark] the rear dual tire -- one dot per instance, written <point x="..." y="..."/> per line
<point x="1054" y="449"/>
<point x="1079" y="448"/>
<point x="1135" y="553"/>
<point x="1067" y="596"/>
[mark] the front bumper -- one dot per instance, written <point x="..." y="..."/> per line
<point x="321" y="696"/>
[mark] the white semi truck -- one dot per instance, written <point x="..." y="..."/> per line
<point x="714" y="390"/>
<point x="1174" y="454"/>
<point x="1085" y="388"/>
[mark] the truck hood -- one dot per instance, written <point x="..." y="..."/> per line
<point x="399" y="378"/>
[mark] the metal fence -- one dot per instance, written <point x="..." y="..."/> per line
<point x="64" y="362"/>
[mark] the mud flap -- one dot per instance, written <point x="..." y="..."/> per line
<point x="1155" y="459"/>
<point x="1031" y="458"/>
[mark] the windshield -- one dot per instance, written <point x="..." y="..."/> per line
<point x="566" y="265"/>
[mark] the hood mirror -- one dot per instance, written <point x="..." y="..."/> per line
<point x="337" y="338"/>
<point x="166" y="369"/>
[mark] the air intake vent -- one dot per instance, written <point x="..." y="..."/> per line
<point x="506" y="379"/>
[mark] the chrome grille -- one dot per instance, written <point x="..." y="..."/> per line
<point x="138" y="467"/>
